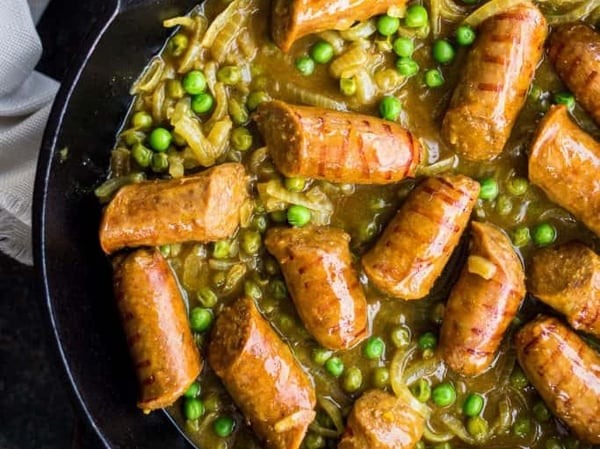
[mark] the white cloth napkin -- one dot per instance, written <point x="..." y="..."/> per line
<point x="25" y="100"/>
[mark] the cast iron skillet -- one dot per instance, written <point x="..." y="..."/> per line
<point x="74" y="276"/>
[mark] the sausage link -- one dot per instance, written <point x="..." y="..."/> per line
<point x="261" y="375"/>
<point x="564" y="161"/>
<point x="203" y="207"/>
<point x="379" y="420"/>
<point x="494" y="82"/>
<point x="154" y="318"/>
<point x="317" y="267"/>
<point x="416" y="245"/>
<point x="337" y="146"/>
<point x="567" y="278"/>
<point x="293" y="19"/>
<point x="481" y="306"/>
<point x="566" y="373"/>
<point x="574" y="50"/>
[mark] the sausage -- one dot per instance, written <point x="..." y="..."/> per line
<point x="203" y="207"/>
<point x="494" y="82"/>
<point x="336" y="146"/>
<point x="156" y="326"/>
<point x="261" y="375"/>
<point x="574" y="51"/>
<point x="379" y="420"/>
<point x="317" y="267"/>
<point x="564" y="161"/>
<point x="567" y="278"/>
<point x="566" y="373"/>
<point x="293" y="19"/>
<point x="483" y="301"/>
<point x="417" y="243"/>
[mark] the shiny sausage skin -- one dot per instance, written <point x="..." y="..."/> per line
<point x="480" y="310"/>
<point x="417" y="243"/>
<point x="204" y="207"/>
<point x="564" y="161"/>
<point x="381" y="420"/>
<point x="337" y="146"/>
<point x="566" y="373"/>
<point x="156" y="326"/>
<point x="317" y="267"/>
<point x="567" y="278"/>
<point x="494" y="83"/>
<point x="574" y="50"/>
<point x="262" y="376"/>
<point x="293" y="19"/>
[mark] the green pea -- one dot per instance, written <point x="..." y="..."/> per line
<point x="200" y="319"/>
<point x="381" y="377"/>
<point x="193" y="408"/>
<point x="518" y="379"/>
<point x="141" y="155"/>
<point x="241" y="139"/>
<point x="503" y="205"/>
<point x="160" y="139"/>
<point x="313" y="441"/>
<point x="221" y="249"/>
<point x="298" y="215"/>
<point x="174" y="89"/>
<point x="237" y="111"/>
<point x="178" y="44"/>
<point x="160" y="162"/>
<point x="517" y="186"/>
<point x="229" y="75"/>
<point x="305" y="65"/>
<point x="434" y="78"/>
<point x="260" y="223"/>
<point x="473" y="405"/>
<point x="348" y="86"/>
<point x="553" y="443"/>
<point x="295" y="184"/>
<point x="465" y="35"/>
<point x="212" y="403"/>
<point x="202" y="103"/>
<point x="400" y="336"/>
<point x="521" y="427"/>
<point x="442" y="51"/>
<point x="390" y="108"/>
<point x="207" y="297"/>
<point x="565" y="98"/>
<point x="427" y="341"/>
<point x="387" y="25"/>
<point x="520" y="236"/>
<point x="251" y="242"/>
<point x="407" y="66"/>
<point x="133" y="137"/>
<point x="367" y="231"/>
<point x="543" y="234"/>
<point x="223" y="426"/>
<point x="165" y="250"/>
<point x="416" y="16"/>
<point x="403" y="47"/>
<point x="141" y="120"/>
<point x="320" y="355"/>
<point x="535" y="93"/>
<point x="443" y="394"/>
<point x="256" y="98"/>
<point x="334" y="366"/>
<point x="352" y="380"/>
<point x="478" y="427"/>
<point x="194" y="82"/>
<point x="374" y="348"/>
<point x="192" y="391"/>
<point x="421" y="390"/>
<point x="252" y="290"/>
<point x="321" y="52"/>
<point x="488" y="189"/>
<point x="278" y="289"/>
<point x="541" y="412"/>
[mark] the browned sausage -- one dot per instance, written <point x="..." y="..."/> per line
<point x="566" y="373"/>
<point x="203" y="207"/>
<point x="262" y="376"/>
<point x="567" y="278"/>
<point x="154" y="317"/>
<point x="337" y="146"/>
<point x="380" y="420"/>
<point x="317" y="267"/>
<point x="415" y="246"/>
<point x="483" y="301"/>
<point x="565" y="162"/>
<point x="574" y="50"/>
<point x="293" y="19"/>
<point x="494" y="83"/>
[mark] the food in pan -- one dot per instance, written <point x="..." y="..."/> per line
<point x="321" y="217"/>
